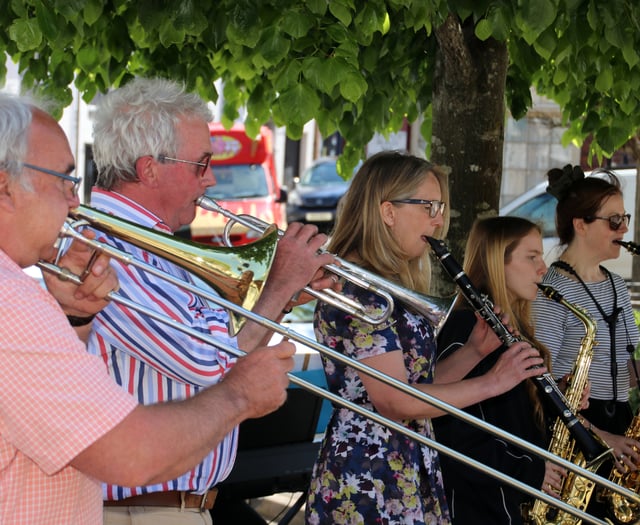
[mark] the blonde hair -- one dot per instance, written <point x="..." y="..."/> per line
<point x="489" y="249"/>
<point x="360" y="231"/>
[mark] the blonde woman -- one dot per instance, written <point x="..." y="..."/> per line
<point x="366" y="473"/>
<point x="503" y="258"/>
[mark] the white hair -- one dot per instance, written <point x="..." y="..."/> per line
<point x="140" y="119"/>
<point x="16" y="115"/>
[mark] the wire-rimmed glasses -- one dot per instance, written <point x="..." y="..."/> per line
<point x="432" y="206"/>
<point x="203" y="163"/>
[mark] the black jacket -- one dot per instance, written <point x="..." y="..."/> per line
<point x="475" y="497"/>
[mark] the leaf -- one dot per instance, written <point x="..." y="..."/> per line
<point x="288" y="75"/>
<point x="88" y="58"/>
<point x="273" y="46"/>
<point x="483" y="29"/>
<point x="26" y="34"/>
<point x="369" y="20"/>
<point x="604" y="81"/>
<point x="325" y="73"/>
<point x="317" y="7"/>
<point x="611" y="138"/>
<point x="340" y="11"/>
<point x="48" y="22"/>
<point x="297" y="23"/>
<point x="534" y="17"/>
<point x="63" y="73"/>
<point x="92" y="11"/>
<point x="352" y="86"/>
<point x="300" y="104"/>
<point x="169" y="34"/>
<point x="630" y="54"/>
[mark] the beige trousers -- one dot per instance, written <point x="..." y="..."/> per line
<point x="155" y="516"/>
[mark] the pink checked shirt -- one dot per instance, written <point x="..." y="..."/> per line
<point x="55" y="401"/>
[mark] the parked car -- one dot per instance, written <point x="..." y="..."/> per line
<point x="314" y="198"/>
<point x="540" y="207"/>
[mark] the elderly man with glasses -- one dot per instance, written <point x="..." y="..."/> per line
<point x="152" y="151"/>
<point x="64" y="422"/>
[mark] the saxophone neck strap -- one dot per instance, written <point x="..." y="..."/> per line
<point x="611" y="319"/>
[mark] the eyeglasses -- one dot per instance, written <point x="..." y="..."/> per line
<point x="433" y="207"/>
<point x="76" y="180"/>
<point x="203" y="163"/>
<point x="615" y="221"/>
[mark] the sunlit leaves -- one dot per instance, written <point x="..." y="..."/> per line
<point x="355" y="66"/>
<point x="26" y="34"/>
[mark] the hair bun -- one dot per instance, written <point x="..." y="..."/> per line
<point x="561" y="180"/>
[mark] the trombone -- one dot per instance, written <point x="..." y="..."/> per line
<point x="146" y="238"/>
<point x="370" y="281"/>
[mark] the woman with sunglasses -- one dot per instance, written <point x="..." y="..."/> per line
<point x="365" y="472"/>
<point x="590" y="219"/>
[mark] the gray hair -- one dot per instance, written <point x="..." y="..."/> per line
<point x="140" y="119"/>
<point x="16" y="115"/>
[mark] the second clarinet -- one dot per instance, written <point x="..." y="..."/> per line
<point x="591" y="446"/>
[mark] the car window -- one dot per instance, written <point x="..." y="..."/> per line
<point x="320" y="175"/>
<point x="238" y="181"/>
<point x="541" y="210"/>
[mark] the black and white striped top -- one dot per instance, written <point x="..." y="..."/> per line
<point x="562" y="332"/>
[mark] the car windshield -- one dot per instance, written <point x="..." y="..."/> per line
<point x="238" y="181"/>
<point x="321" y="175"/>
<point x="540" y="210"/>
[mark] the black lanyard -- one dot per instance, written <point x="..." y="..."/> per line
<point x="610" y="319"/>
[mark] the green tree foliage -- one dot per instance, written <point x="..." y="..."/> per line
<point x="357" y="67"/>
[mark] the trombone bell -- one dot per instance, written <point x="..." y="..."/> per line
<point x="237" y="274"/>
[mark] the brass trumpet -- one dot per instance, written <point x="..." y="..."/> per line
<point x="434" y="309"/>
<point x="188" y="255"/>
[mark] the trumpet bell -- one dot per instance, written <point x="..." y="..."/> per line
<point x="238" y="274"/>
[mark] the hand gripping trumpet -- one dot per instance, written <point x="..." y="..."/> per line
<point x="592" y="447"/>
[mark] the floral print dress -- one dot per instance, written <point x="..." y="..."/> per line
<point x="366" y="473"/>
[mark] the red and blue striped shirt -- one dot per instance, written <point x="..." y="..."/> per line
<point x="153" y="361"/>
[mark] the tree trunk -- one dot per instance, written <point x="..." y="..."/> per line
<point x="468" y="102"/>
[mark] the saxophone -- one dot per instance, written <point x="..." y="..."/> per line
<point x="622" y="510"/>
<point x="576" y="490"/>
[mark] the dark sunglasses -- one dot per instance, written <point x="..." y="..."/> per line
<point x="433" y="207"/>
<point x="615" y="221"/>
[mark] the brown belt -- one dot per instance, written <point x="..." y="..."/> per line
<point x="172" y="498"/>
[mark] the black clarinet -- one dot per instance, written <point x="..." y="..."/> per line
<point x="591" y="445"/>
<point x="631" y="247"/>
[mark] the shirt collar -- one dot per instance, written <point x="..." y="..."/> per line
<point x="122" y="206"/>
